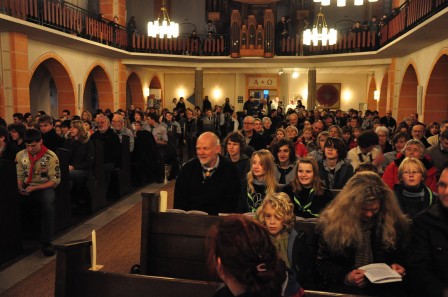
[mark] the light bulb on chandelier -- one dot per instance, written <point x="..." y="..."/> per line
<point x="320" y="32"/>
<point x="342" y="3"/>
<point x="163" y="25"/>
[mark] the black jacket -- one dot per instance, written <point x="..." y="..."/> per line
<point x="52" y="141"/>
<point x="428" y="252"/>
<point x="81" y="154"/>
<point x="334" y="266"/>
<point x="218" y="194"/>
<point x="112" y="148"/>
<point x="10" y="152"/>
<point x="410" y="205"/>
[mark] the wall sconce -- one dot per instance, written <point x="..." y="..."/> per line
<point x="146" y="92"/>
<point x="376" y="95"/>
<point x="295" y="74"/>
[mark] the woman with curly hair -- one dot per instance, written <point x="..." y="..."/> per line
<point x="363" y="225"/>
<point x="277" y="214"/>
<point x="242" y="254"/>
<point x="260" y="181"/>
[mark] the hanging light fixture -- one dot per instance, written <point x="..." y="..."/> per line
<point x="163" y="25"/>
<point x="341" y="3"/>
<point x="320" y="32"/>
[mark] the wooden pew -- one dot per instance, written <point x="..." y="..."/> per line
<point x="165" y="237"/>
<point x="173" y="244"/>
<point x="74" y="279"/>
<point x="63" y="200"/>
<point x="10" y="230"/>
<point x="97" y="184"/>
<point x="120" y="184"/>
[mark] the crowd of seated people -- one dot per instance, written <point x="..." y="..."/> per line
<point x="259" y="160"/>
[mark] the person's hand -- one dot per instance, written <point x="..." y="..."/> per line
<point x="356" y="278"/>
<point x="22" y="191"/>
<point x="30" y="189"/>
<point x="398" y="268"/>
<point x="70" y="167"/>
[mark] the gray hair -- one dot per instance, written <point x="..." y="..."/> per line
<point x="414" y="142"/>
<point x="382" y="129"/>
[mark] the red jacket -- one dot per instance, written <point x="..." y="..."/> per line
<point x="300" y="149"/>
<point x="390" y="175"/>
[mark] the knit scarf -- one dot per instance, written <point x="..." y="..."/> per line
<point x="364" y="254"/>
<point x="33" y="160"/>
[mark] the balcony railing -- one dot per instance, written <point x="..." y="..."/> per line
<point x="71" y="19"/>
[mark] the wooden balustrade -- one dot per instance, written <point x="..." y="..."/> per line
<point x="71" y="19"/>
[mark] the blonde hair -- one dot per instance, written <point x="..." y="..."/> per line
<point x="267" y="161"/>
<point x="317" y="184"/>
<point x="283" y="207"/>
<point x="340" y="222"/>
<point x="83" y="136"/>
<point x="411" y="161"/>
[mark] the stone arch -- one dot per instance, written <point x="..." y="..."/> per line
<point x="134" y="91"/>
<point x="371" y="103"/>
<point x="51" y="78"/>
<point x="155" y="90"/>
<point x="98" y="91"/>
<point x="436" y="102"/>
<point x="382" y="105"/>
<point x="407" y="101"/>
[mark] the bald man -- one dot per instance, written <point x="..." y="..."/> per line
<point x="208" y="182"/>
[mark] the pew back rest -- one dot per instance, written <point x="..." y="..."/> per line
<point x="63" y="200"/>
<point x="74" y="279"/>
<point x="10" y="231"/>
<point x="173" y="244"/>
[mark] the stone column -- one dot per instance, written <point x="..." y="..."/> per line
<point x="198" y="86"/>
<point x="311" y="102"/>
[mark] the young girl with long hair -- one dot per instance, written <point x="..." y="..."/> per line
<point x="306" y="190"/>
<point x="260" y="181"/>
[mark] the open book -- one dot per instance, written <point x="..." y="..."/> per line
<point x="196" y="212"/>
<point x="380" y="273"/>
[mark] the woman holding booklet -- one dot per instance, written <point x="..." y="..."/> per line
<point x="363" y="225"/>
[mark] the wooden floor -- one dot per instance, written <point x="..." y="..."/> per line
<point x="118" y="241"/>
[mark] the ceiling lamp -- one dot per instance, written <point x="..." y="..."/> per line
<point x="342" y="3"/>
<point x="320" y="32"/>
<point x="163" y="26"/>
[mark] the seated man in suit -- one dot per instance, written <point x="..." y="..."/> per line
<point x="208" y="182"/>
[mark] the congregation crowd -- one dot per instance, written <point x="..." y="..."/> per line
<point x="377" y="188"/>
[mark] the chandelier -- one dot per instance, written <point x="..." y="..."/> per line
<point x="342" y="3"/>
<point x="320" y="32"/>
<point x="163" y="25"/>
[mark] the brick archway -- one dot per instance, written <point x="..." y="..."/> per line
<point x="103" y="85"/>
<point x="407" y="102"/>
<point x="62" y="78"/>
<point x="371" y="103"/>
<point x="436" y="102"/>
<point x="134" y="86"/>
<point x="383" y="96"/>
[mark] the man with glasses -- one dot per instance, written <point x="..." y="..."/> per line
<point x="251" y="137"/>
<point x="428" y="252"/>
<point x="418" y="132"/>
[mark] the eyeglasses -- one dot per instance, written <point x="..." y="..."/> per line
<point x="414" y="172"/>
<point x="415" y="150"/>
<point x="248" y="123"/>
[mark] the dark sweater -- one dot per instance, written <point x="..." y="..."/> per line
<point x="307" y="203"/>
<point x="81" y="154"/>
<point x="111" y="145"/>
<point x="52" y="141"/>
<point x="414" y="200"/>
<point x="218" y="194"/>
